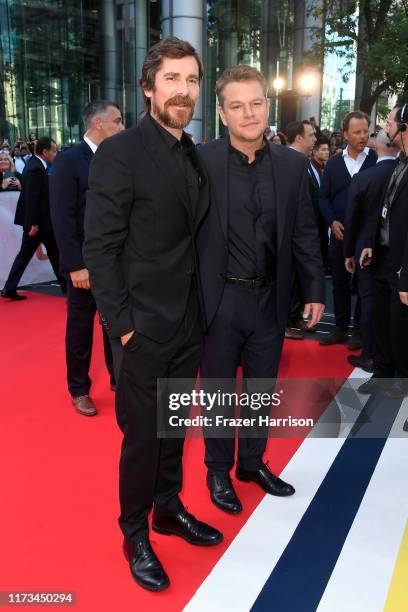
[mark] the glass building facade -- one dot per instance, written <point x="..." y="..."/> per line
<point x="56" y="55"/>
<point x="49" y="60"/>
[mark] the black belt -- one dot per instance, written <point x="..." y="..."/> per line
<point x="251" y="283"/>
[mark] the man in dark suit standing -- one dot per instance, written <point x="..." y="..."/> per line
<point x="146" y="199"/>
<point x="33" y="214"/>
<point x="69" y="183"/>
<point x="333" y="200"/>
<point x="367" y="188"/>
<point x="318" y="160"/>
<point x="260" y="220"/>
<point x="386" y="250"/>
<point x="301" y="138"/>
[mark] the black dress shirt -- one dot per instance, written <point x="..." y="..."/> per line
<point x="250" y="185"/>
<point x="183" y="152"/>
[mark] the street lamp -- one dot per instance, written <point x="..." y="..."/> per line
<point x="307" y="83"/>
<point x="278" y="85"/>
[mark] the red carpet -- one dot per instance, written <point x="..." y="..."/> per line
<point x="58" y="528"/>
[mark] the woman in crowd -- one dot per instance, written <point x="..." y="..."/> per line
<point x="10" y="180"/>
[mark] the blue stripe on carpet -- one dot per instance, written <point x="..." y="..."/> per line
<point x="299" y="579"/>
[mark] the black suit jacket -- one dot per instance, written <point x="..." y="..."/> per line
<point x="314" y="187"/>
<point x="33" y="206"/>
<point x="140" y="234"/>
<point x="296" y="230"/>
<point x="68" y="187"/>
<point x="398" y="241"/>
<point x="367" y="189"/>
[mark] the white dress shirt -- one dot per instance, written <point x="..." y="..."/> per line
<point x="90" y="144"/>
<point x="42" y="161"/>
<point x="354" y="165"/>
<point x="19" y="164"/>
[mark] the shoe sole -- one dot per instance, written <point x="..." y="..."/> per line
<point x="144" y="586"/>
<point x="169" y="532"/>
<point x="265" y="490"/>
<point x="93" y="413"/>
<point x="86" y="413"/>
<point x="225" y="509"/>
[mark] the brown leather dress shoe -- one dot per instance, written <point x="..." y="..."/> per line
<point x="84" y="405"/>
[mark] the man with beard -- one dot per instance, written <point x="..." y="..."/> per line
<point x="147" y="196"/>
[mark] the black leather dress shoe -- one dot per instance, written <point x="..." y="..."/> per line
<point x="359" y="362"/>
<point x="397" y="389"/>
<point x="334" y="337"/>
<point x="267" y="481"/>
<point x="222" y="493"/>
<point x="13" y="295"/>
<point x="373" y="385"/>
<point x="186" y="526"/>
<point x="355" y="343"/>
<point x="145" y="567"/>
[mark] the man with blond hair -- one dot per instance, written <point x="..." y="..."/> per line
<point x="260" y="221"/>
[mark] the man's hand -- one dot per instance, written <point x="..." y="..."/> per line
<point x="315" y="311"/>
<point x="404" y="297"/>
<point x="366" y="257"/>
<point x="350" y="264"/>
<point x="80" y="279"/>
<point x="125" y="339"/>
<point x="34" y="230"/>
<point x="338" y="230"/>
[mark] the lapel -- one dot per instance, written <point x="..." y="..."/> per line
<point x="203" y="194"/>
<point x="312" y="175"/>
<point x="279" y="168"/>
<point x="401" y="186"/>
<point x="217" y="164"/>
<point x="369" y="161"/>
<point x="86" y="151"/>
<point x="346" y="173"/>
<point x="161" y="157"/>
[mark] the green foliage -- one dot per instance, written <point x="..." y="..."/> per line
<point x="379" y="37"/>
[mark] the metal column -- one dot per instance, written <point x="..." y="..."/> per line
<point x="186" y="20"/>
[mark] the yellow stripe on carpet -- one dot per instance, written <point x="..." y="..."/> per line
<point x="397" y="599"/>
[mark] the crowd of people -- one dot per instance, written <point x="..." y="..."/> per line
<point x="201" y="258"/>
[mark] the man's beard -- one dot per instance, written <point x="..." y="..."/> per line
<point x="183" y="116"/>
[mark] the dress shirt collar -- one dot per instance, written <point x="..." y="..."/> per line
<point x="90" y="144"/>
<point x="170" y="140"/>
<point x="259" y="153"/>
<point x="364" y="152"/>
<point x="42" y="161"/>
<point x="385" y="157"/>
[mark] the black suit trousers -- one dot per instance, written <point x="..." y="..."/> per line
<point x="79" y="339"/>
<point x="150" y="469"/>
<point x="244" y="331"/>
<point x="390" y="320"/>
<point x="29" y="245"/>
<point x="342" y="287"/>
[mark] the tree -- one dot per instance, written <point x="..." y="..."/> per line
<point x="375" y="32"/>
